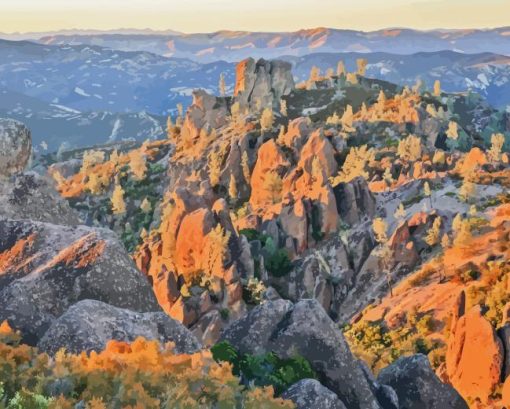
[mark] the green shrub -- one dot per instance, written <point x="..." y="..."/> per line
<point x="279" y="264"/>
<point x="266" y="369"/>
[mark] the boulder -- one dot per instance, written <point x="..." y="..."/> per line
<point x="15" y="147"/>
<point x="309" y="393"/>
<point x="208" y="328"/>
<point x="46" y="268"/>
<point x="251" y="334"/>
<point x="472" y="370"/>
<point x="417" y="386"/>
<point x="31" y="196"/>
<point x="88" y="325"/>
<point x="304" y="329"/>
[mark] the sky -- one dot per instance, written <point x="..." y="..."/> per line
<point x="253" y="15"/>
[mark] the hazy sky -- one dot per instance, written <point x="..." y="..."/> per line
<point x="263" y="15"/>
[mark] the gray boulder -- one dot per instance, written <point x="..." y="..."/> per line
<point x="88" y="325"/>
<point x="251" y="333"/>
<point x="52" y="267"/>
<point x="31" y="196"/>
<point x="418" y="387"/>
<point x="15" y="147"/>
<point x="309" y="393"/>
<point x="305" y="329"/>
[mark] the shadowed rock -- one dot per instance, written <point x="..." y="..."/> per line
<point x="417" y="385"/>
<point x="88" y="325"/>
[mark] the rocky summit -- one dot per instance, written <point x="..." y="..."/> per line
<point x="334" y="240"/>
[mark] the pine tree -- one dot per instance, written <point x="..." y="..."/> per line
<point x="145" y="206"/>
<point x="380" y="230"/>
<point x="115" y="158"/>
<point x="118" y="204"/>
<point x="409" y="149"/>
<point x="283" y="107"/>
<point x="232" y="188"/>
<point x="456" y="223"/>
<point x="434" y="232"/>
<point x="169" y="128"/>
<point x="355" y="164"/>
<point x="340" y="68"/>
<point x="137" y="164"/>
<point x="347" y="119"/>
<point x="273" y="184"/>
<point x="361" y="63"/>
<point x="214" y="168"/>
<point x="266" y="120"/>
<point x="315" y="74"/>
<point x="400" y="213"/>
<point x="317" y="170"/>
<point x="467" y="190"/>
<point x="222" y="86"/>
<point x="453" y="130"/>
<point x="427" y="192"/>
<point x="245" y="165"/>
<point x="437" y="88"/>
<point x="463" y="236"/>
<point x="497" y="142"/>
<point x="388" y="177"/>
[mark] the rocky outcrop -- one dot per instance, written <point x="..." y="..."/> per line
<point x="46" y="268"/>
<point x="417" y="386"/>
<point x="206" y="112"/>
<point x="354" y="201"/>
<point x="309" y="393"/>
<point x="15" y="147"/>
<point x="88" y="325"/>
<point x="262" y="82"/>
<point x="305" y="329"/>
<point x="472" y="370"/>
<point x="403" y="247"/>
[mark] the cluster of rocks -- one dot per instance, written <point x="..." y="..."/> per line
<point x="57" y="276"/>
<point x="305" y="329"/>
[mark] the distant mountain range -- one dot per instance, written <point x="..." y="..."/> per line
<point x="236" y="45"/>
<point x="86" y="94"/>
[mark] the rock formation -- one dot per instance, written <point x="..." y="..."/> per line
<point x="262" y="82"/>
<point x="304" y="329"/>
<point x="15" y="147"/>
<point x="472" y="370"/>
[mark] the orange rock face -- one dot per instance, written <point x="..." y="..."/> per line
<point x="475" y="356"/>
<point x="191" y="240"/>
<point x="270" y="160"/>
